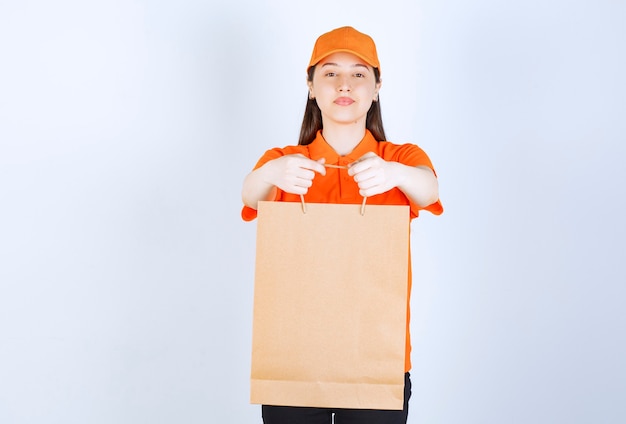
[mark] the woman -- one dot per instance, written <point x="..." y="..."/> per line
<point x="342" y="156"/>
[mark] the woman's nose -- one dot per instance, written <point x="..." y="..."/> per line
<point x="344" y="84"/>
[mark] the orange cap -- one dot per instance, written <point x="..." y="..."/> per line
<point x="345" y="39"/>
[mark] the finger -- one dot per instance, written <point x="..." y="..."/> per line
<point x="303" y="182"/>
<point x="369" y="190"/>
<point x="366" y="173"/>
<point x="364" y="158"/>
<point x="364" y="162"/>
<point x="296" y="185"/>
<point x="308" y="174"/>
<point x="367" y="183"/>
<point x="313" y="166"/>
<point x="357" y="167"/>
<point x="318" y="166"/>
<point x="303" y="162"/>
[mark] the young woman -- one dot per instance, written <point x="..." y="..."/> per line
<point x="341" y="157"/>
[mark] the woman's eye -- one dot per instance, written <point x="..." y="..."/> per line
<point x="330" y="74"/>
<point x="359" y="75"/>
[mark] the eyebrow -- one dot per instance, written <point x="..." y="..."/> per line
<point x="353" y="66"/>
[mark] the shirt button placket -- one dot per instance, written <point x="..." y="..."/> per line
<point x="343" y="179"/>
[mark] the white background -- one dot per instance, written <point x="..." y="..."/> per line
<point x="126" y="273"/>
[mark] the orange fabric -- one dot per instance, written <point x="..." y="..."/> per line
<point x="345" y="39"/>
<point x="338" y="187"/>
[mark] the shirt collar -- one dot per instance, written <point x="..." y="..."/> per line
<point x="319" y="148"/>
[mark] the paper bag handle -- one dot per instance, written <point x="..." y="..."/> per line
<point x="304" y="204"/>
<point x="328" y="165"/>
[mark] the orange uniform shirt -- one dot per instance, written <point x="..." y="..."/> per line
<point x="338" y="187"/>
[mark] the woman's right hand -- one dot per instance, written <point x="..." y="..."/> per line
<point x="293" y="173"/>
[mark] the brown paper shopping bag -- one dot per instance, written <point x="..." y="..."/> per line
<point x="330" y="303"/>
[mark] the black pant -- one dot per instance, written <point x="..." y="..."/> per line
<point x="302" y="415"/>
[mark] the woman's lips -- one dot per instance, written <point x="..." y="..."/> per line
<point x="344" y="101"/>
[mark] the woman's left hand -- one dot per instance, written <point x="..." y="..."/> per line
<point x="374" y="175"/>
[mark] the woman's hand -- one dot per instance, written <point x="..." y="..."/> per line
<point x="375" y="175"/>
<point x="292" y="173"/>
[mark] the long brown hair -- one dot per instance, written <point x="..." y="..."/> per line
<point x="312" y="121"/>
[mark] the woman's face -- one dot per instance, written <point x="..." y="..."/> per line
<point x="344" y="87"/>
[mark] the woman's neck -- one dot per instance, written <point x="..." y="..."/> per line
<point x="343" y="138"/>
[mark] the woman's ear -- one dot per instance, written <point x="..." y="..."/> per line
<point x="310" y="86"/>
<point x="377" y="89"/>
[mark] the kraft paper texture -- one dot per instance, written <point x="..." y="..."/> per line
<point x="330" y="303"/>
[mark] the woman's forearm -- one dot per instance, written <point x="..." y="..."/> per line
<point x="419" y="184"/>
<point x="256" y="188"/>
